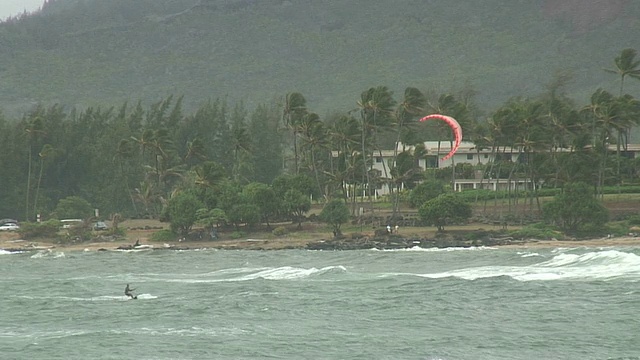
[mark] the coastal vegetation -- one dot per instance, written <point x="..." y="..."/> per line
<point x="239" y="167"/>
<point x="228" y="166"/>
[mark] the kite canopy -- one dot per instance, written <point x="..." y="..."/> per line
<point x="453" y="124"/>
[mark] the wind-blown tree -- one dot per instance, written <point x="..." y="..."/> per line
<point x="405" y="116"/>
<point x="73" y="207"/>
<point x="47" y="152"/>
<point x="576" y="208"/>
<point x="376" y="106"/>
<point x="295" y="107"/>
<point x="124" y="154"/>
<point x="296" y="204"/>
<point x="149" y="197"/>
<point x="11" y="168"/>
<point x="605" y="113"/>
<point x="211" y="219"/>
<point x="531" y="140"/>
<point x="208" y="179"/>
<point x="210" y="125"/>
<point x="406" y="172"/>
<point x="266" y="142"/>
<point x="34" y="129"/>
<point x="182" y="211"/>
<point x="445" y="210"/>
<point x="265" y="198"/>
<point x="301" y="183"/>
<point x="335" y="213"/>
<point x="241" y="146"/>
<point x="345" y="161"/>
<point x="426" y="191"/>
<point x="195" y="152"/>
<point x="315" y="140"/>
<point x="448" y="104"/>
<point x="626" y="65"/>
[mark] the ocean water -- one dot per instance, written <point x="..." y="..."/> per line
<point x="478" y="303"/>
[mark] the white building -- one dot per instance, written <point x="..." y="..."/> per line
<point x="467" y="153"/>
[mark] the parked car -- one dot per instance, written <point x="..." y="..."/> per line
<point x="9" y="227"/>
<point x="100" y="225"/>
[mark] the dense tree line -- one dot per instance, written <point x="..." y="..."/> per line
<point x="226" y="163"/>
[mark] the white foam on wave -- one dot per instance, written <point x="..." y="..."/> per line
<point x="269" y="273"/>
<point x="527" y="254"/>
<point x="187" y="331"/>
<point x="61" y="334"/>
<point x="5" y="252"/>
<point x="93" y="298"/>
<point x="290" y="273"/>
<point x="435" y="249"/>
<point x="602" y="265"/>
<point x="48" y="253"/>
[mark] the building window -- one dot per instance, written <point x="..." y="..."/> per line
<point x="431" y="162"/>
<point x="469" y="156"/>
<point x="378" y="159"/>
<point x="486" y="156"/>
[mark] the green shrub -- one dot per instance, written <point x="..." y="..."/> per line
<point x="48" y="230"/>
<point x="539" y="231"/>
<point x="237" y="235"/>
<point x="163" y="235"/>
<point x="280" y="231"/>
<point x="633" y="220"/>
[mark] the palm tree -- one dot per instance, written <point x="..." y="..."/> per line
<point x="295" y="107"/>
<point x="241" y="147"/>
<point x="626" y="65"/>
<point x="604" y="111"/>
<point x="209" y="174"/>
<point x="344" y="135"/>
<point x="34" y="130"/>
<point x="46" y="152"/>
<point x="376" y="108"/>
<point x="195" y="150"/>
<point x="125" y="152"/>
<point x="411" y="107"/>
<point x="314" y="134"/>
<point x="448" y="104"/>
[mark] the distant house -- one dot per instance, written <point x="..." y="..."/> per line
<point x="467" y="153"/>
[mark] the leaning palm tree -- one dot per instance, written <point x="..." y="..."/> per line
<point x="47" y="151"/>
<point x="626" y="65"/>
<point x="124" y="153"/>
<point x="314" y="135"/>
<point x="604" y="111"/>
<point x="448" y="104"/>
<point x="295" y="107"/>
<point x="34" y="130"/>
<point x="411" y="107"/>
<point x="376" y="107"/>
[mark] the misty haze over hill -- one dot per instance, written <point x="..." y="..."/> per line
<point x="93" y="52"/>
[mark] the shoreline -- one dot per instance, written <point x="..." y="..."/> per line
<point x="18" y="245"/>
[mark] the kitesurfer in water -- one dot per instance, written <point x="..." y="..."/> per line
<point x="129" y="293"/>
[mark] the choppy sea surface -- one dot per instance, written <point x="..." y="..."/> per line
<point x="478" y="303"/>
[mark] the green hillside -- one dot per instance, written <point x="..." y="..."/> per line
<point x="87" y="52"/>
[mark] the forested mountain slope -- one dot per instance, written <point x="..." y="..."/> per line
<point x="86" y="52"/>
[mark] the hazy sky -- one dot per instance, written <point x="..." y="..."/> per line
<point x="14" y="7"/>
